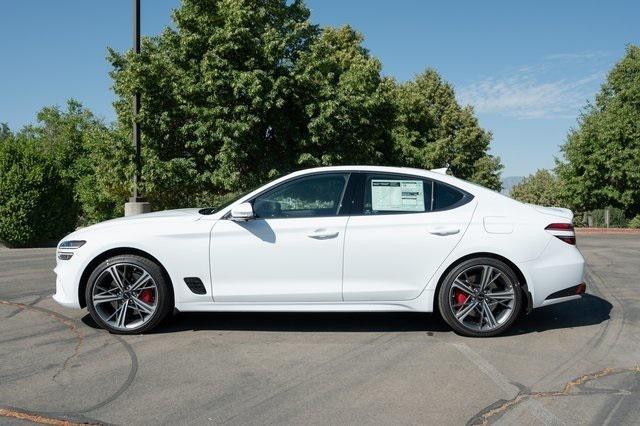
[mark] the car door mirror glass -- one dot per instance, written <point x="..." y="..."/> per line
<point x="242" y="212"/>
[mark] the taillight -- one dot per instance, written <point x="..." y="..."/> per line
<point x="564" y="231"/>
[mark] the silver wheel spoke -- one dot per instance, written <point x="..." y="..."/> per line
<point x="144" y="288"/>
<point x="462" y="286"/>
<point x="462" y="313"/>
<point x="485" y="277"/>
<point x="143" y="279"/>
<point x="97" y="299"/>
<point x="142" y="306"/>
<point x="115" y="313"/>
<point x="106" y="291"/>
<point x="501" y="295"/>
<point x="120" y="320"/>
<point x="115" y="275"/>
<point x="491" y="320"/>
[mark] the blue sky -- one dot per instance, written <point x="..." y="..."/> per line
<point x="528" y="69"/>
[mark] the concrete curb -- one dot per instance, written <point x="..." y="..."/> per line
<point x="607" y="231"/>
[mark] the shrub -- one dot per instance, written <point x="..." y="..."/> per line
<point x="36" y="206"/>
<point x="635" y="222"/>
<point x="617" y="218"/>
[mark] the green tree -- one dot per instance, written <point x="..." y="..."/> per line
<point x="81" y="145"/>
<point x="542" y="188"/>
<point x="218" y="107"/>
<point x="601" y="158"/>
<point x="36" y="203"/>
<point x="239" y="92"/>
<point x="347" y="105"/>
<point x="5" y="132"/>
<point x="432" y="130"/>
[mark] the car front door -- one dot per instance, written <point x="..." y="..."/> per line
<point x="292" y="250"/>
<point x="401" y="232"/>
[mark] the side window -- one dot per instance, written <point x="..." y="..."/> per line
<point x="393" y="194"/>
<point x="313" y="196"/>
<point x="445" y="196"/>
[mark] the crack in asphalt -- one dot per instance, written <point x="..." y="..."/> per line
<point x="485" y="416"/>
<point x="37" y="418"/>
<point x="49" y="417"/>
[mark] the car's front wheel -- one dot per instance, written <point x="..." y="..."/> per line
<point x="480" y="297"/>
<point x="128" y="294"/>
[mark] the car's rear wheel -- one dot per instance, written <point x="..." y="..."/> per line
<point x="480" y="297"/>
<point x="128" y="294"/>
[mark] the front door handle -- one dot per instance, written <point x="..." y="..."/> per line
<point x="322" y="234"/>
<point x="443" y="230"/>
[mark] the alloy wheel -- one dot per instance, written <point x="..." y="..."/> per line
<point x="125" y="296"/>
<point x="482" y="298"/>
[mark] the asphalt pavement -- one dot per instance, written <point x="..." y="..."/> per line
<point x="573" y="363"/>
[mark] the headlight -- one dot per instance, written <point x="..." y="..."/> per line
<point x="72" y="244"/>
<point x="68" y="245"/>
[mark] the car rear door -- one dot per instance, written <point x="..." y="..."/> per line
<point x="401" y="229"/>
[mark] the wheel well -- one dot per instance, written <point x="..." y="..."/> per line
<point x="115" y="252"/>
<point x="521" y="279"/>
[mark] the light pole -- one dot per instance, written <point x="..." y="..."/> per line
<point x="137" y="203"/>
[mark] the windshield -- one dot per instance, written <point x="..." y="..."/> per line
<point x="225" y="201"/>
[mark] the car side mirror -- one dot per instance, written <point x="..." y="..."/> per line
<point x="242" y="212"/>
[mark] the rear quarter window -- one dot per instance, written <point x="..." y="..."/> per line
<point x="446" y="197"/>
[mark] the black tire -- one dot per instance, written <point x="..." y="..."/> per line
<point x="162" y="293"/>
<point x="472" y="269"/>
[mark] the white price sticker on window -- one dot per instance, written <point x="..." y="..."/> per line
<point x="397" y="195"/>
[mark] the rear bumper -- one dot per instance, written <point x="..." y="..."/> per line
<point x="565" y="295"/>
<point x="559" y="267"/>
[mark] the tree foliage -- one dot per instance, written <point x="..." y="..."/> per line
<point x="542" y="188"/>
<point x="348" y="113"/>
<point x="239" y="92"/>
<point x="36" y="203"/>
<point x="601" y="158"/>
<point x="432" y="130"/>
<point x="219" y="109"/>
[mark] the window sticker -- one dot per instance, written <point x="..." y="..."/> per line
<point x="397" y="195"/>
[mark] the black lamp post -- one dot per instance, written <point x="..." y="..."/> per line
<point x="137" y="203"/>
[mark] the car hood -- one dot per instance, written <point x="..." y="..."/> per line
<point x="179" y="215"/>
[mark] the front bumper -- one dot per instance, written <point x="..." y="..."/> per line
<point x="68" y="275"/>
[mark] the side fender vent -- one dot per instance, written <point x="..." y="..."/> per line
<point x="195" y="285"/>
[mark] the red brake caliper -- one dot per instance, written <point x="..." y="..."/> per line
<point x="460" y="296"/>
<point x="146" y="296"/>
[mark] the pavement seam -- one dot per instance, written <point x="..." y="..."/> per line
<point x="68" y="322"/>
<point x="537" y="410"/>
<point x="485" y="416"/>
<point x="37" y="418"/>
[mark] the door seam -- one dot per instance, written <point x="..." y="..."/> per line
<point x="344" y="243"/>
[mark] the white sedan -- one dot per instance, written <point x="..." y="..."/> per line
<point x="356" y="239"/>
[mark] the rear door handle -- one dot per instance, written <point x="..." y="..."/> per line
<point x="442" y="230"/>
<point x="322" y="234"/>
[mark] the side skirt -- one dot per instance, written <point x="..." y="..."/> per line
<point x="299" y="307"/>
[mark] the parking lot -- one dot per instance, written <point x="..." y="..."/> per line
<point x="576" y="362"/>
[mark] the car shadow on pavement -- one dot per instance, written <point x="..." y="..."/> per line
<point x="589" y="310"/>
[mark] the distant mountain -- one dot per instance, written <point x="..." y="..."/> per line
<point x="509" y="182"/>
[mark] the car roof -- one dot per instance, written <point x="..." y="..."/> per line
<point x="387" y="169"/>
